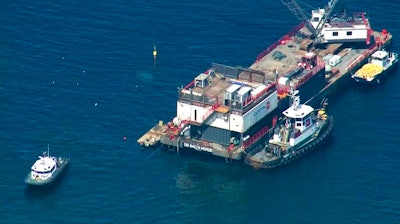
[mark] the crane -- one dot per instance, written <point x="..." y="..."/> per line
<point x="328" y="11"/>
<point x="297" y="11"/>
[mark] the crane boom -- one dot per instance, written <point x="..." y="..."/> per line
<point x="295" y="8"/>
<point x="328" y="11"/>
<point x="297" y="11"/>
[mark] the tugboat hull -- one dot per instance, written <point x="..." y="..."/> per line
<point x="276" y="161"/>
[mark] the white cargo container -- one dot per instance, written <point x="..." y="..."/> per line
<point x="335" y="60"/>
<point x="243" y="93"/>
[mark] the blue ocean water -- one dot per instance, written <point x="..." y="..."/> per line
<point x="80" y="76"/>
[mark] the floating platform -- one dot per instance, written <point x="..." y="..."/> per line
<point x="352" y="57"/>
<point x="332" y="65"/>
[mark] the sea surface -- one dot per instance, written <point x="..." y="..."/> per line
<point x="80" y="76"/>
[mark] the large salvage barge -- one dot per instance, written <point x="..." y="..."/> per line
<point x="226" y="111"/>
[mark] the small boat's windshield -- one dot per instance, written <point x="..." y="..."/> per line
<point x="44" y="172"/>
<point x="39" y="172"/>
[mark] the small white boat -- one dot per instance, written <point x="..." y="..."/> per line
<point x="46" y="169"/>
<point x="380" y="64"/>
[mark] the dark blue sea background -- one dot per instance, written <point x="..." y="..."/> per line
<point x="80" y="76"/>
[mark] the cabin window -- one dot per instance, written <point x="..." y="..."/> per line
<point x="298" y="124"/>
<point x="335" y="34"/>
<point x="308" y="122"/>
<point x="44" y="172"/>
<point x="195" y="115"/>
<point x="349" y="33"/>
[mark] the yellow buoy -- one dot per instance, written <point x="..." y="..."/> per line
<point x="155" y="51"/>
<point x="155" y="54"/>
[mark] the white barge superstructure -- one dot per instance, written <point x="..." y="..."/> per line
<point x="218" y="110"/>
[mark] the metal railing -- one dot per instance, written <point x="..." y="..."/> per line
<point x="257" y="136"/>
<point x="210" y="111"/>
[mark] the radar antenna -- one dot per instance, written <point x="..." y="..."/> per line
<point x="295" y="98"/>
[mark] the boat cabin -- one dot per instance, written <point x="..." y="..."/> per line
<point x="380" y="58"/>
<point x="297" y="126"/>
<point x="44" y="167"/>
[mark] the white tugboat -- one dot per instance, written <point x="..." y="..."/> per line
<point x="380" y="64"/>
<point x="46" y="169"/>
<point x="299" y="131"/>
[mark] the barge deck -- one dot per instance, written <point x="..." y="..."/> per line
<point x="226" y="111"/>
<point x="351" y="59"/>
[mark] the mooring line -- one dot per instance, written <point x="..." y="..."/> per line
<point x="152" y="154"/>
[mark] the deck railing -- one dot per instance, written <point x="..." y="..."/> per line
<point x="240" y="108"/>
<point x="261" y="133"/>
<point x="190" y="85"/>
<point x="362" y="57"/>
<point x="313" y="71"/>
<point x="378" y="43"/>
<point x="210" y="111"/>
<point x="251" y="102"/>
<point x="285" y="88"/>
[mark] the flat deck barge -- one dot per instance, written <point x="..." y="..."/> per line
<point x="227" y="110"/>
